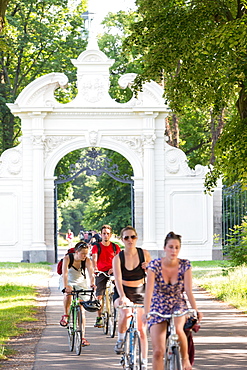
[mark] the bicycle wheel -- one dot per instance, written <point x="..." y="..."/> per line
<point x="112" y="317"/>
<point x="71" y="332"/>
<point x="173" y="360"/>
<point x="136" y="353"/>
<point x="125" y="361"/>
<point x="113" y="323"/>
<point x="105" y="317"/>
<point x="78" y="332"/>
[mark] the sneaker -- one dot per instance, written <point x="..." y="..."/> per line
<point x="144" y="365"/>
<point x="119" y="347"/>
<point x="98" y="323"/>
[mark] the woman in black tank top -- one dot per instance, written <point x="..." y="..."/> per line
<point x="129" y="268"/>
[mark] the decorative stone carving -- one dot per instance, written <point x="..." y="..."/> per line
<point x="38" y="140"/>
<point x="92" y="88"/>
<point x="52" y="142"/>
<point x="134" y="143"/>
<point x="11" y="161"/>
<point x="176" y="163"/>
<point x="149" y="140"/>
<point x="93" y="137"/>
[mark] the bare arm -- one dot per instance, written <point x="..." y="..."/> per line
<point x="94" y="261"/>
<point x="148" y="293"/>
<point x="89" y="266"/>
<point x="65" y="269"/>
<point x="118" y="280"/>
<point x="147" y="258"/>
<point x="188" y="291"/>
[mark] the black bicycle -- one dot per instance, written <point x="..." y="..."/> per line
<point x="75" y="319"/>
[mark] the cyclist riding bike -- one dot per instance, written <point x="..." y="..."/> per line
<point x="73" y="276"/>
<point x="167" y="280"/>
<point x="102" y="256"/>
<point x="129" y="268"/>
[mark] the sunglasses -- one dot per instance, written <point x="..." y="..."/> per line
<point x="128" y="237"/>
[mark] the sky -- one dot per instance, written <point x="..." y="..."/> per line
<point x="102" y="7"/>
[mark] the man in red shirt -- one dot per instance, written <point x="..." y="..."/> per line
<point x="102" y="256"/>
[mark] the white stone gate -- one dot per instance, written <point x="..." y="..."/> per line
<point x="168" y="194"/>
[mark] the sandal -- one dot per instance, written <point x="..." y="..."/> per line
<point x="64" y="320"/>
<point x="84" y="342"/>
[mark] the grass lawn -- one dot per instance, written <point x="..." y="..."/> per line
<point x="223" y="281"/>
<point x="17" y="297"/>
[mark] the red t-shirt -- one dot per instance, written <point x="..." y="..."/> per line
<point x="104" y="262"/>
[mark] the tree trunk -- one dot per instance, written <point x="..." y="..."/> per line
<point x="242" y="103"/>
<point x="217" y="124"/>
<point x="3" y="7"/>
<point x="172" y="131"/>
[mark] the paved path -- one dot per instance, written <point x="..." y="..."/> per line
<point x="221" y="343"/>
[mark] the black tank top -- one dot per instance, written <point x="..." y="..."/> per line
<point x="137" y="273"/>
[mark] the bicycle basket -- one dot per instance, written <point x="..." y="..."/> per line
<point x="190" y="322"/>
<point x="91" y="306"/>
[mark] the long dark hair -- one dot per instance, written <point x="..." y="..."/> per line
<point x="172" y="235"/>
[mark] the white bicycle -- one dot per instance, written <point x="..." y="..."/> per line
<point x="172" y="353"/>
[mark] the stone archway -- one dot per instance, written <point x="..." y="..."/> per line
<point x="164" y="185"/>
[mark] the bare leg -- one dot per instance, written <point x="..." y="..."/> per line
<point x="158" y="337"/>
<point x="179" y="323"/>
<point x="143" y="334"/>
<point x="66" y="303"/>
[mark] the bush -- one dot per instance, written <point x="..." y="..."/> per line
<point x="236" y="247"/>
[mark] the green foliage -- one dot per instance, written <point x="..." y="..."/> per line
<point x="39" y="37"/>
<point x="117" y="26"/>
<point x="199" y="49"/>
<point x="230" y="287"/>
<point x="17" y="302"/>
<point x="95" y="201"/>
<point x="236" y="247"/>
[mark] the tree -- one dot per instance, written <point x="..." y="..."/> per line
<point x="117" y="27"/>
<point x="3" y="7"/>
<point x="40" y="37"/>
<point x="199" y="49"/>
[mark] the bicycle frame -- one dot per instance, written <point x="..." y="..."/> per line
<point x="108" y="312"/>
<point x="172" y="355"/>
<point x="131" y="357"/>
<point x="75" y="320"/>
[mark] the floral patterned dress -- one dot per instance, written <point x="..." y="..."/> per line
<point x="167" y="298"/>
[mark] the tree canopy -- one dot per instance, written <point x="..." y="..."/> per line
<point x="198" y="49"/>
<point x="39" y="37"/>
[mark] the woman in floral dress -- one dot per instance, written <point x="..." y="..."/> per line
<point x="168" y="278"/>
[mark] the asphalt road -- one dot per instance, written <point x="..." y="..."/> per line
<point x="221" y="343"/>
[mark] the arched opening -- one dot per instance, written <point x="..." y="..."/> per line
<point x="113" y="201"/>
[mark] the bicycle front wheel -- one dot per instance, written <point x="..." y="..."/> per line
<point x="78" y="332"/>
<point x="136" y="353"/>
<point x="126" y="355"/>
<point x="71" y="332"/>
<point x="105" y="318"/>
<point x="173" y="361"/>
<point x="113" y="323"/>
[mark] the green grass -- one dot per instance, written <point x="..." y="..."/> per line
<point x="223" y="281"/>
<point x="17" y="297"/>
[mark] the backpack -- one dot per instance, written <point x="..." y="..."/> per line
<point x="71" y="260"/>
<point x="99" y="248"/>
<point x="141" y="258"/>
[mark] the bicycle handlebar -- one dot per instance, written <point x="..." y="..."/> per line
<point x="97" y="273"/>
<point x="82" y="291"/>
<point x="131" y="306"/>
<point x="190" y="311"/>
